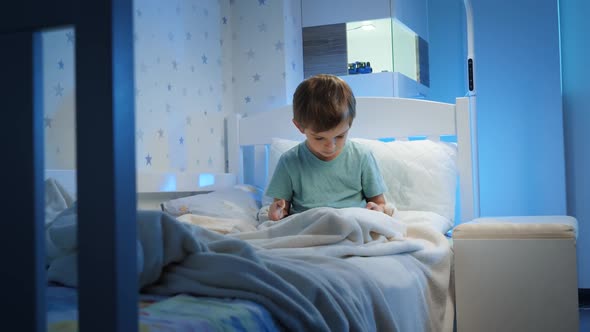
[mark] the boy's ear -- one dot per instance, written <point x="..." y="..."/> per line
<point x="301" y="129"/>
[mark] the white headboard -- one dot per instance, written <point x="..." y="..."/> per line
<point x="377" y="117"/>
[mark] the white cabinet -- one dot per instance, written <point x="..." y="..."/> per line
<point x="388" y="84"/>
<point x="324" y="12"/>
<point x="516" y="274"/>
<point x="412" y="13"/>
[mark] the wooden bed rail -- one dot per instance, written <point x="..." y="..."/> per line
<point x="107" y="271"/>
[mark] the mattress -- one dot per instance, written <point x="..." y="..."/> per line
<point x="176" y="313"/>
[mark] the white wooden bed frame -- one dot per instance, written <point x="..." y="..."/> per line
<point x="377" y="117"/>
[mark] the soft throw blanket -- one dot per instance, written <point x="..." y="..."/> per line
<point x="295" y="268"/>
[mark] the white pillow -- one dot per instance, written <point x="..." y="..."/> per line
<point x="57" y="199"/>
<point x="421" y="175"/>
<point x="238" y="202"/>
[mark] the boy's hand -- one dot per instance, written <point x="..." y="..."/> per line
<point x="381" y="208"/>
<point x="374" y="206"/>
<point x="277" y="210"/>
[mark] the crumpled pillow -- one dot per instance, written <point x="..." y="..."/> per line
<point x="421" y="175"/>
<point x="57" y="199"/>
<point x="238" y="202"/>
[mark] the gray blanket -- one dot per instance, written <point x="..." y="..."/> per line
<point x="294" y="268"/>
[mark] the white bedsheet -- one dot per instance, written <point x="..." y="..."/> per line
<point x="321" y="270"/>
<point x="408" y="258"/>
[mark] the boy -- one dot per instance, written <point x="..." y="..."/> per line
<point x="326" y="169"/>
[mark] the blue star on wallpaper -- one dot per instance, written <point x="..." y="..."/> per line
<point x="60" y="64"/>
<point x="47" y="122"/>
<point x="204" y="59"/>
<point x="279" y="46"/>
<point x="70" y="37"/>
<point x="261" y="2"/>
<point x="160" y="133"/>
<point x="256" y="77"/>
<point x="59" y="90"/>
<point x="247" y="99"/>
<point x="250" y="54"/>
<point x="148" y="160"/>
<point x="181" y="140"/>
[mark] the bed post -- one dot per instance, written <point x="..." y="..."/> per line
<point x="22" y="220"/>
<point x="235" y="160"/>
<point x="472" y="102"/>
<point x="105" y="132"/>
<point x="467" y="160"/>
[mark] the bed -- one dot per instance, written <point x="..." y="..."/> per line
<point x="324" y="269"/>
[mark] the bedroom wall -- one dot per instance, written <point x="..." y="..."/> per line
<point x="575" y="52"/>
<point x="520" y="118"/>
<point x="267" y="51"/>
<point x="523" y="169"/>
<point x="180" y="78"/>
<point x="195" y="63"/>
<point x="446" y="21"/>
<point x="521" y="151"/>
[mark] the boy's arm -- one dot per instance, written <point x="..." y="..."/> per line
<point x="279" y="209"/>
<point x="377" y="203"/>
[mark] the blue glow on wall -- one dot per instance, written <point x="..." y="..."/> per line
<point x="169" y="183"/>
<point x="206" y="180"/>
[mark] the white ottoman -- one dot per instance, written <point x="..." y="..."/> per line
<point x="516" y="274"/>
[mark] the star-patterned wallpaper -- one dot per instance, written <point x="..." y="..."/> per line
<point x="196" y="62"/>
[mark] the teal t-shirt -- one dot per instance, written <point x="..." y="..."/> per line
<point x="308" y="182"/>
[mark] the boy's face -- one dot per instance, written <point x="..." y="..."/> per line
<point x="326" y="145"/>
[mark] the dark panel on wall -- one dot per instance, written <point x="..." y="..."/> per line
<point x="31" y="15"/>
<point x="423" y="63"/>
<point x="324" y="50"/>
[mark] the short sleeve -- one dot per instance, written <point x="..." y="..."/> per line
<point x="280" y="185"/>
<point x="372" y="180"/>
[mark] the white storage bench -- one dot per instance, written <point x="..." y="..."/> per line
<point x="516" y="274"/>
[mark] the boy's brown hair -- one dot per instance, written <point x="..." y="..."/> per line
<point x="322" y="102"/>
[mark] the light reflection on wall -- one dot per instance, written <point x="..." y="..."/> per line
<point x="388" y="45"/>
<point x="370" y="41"/>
